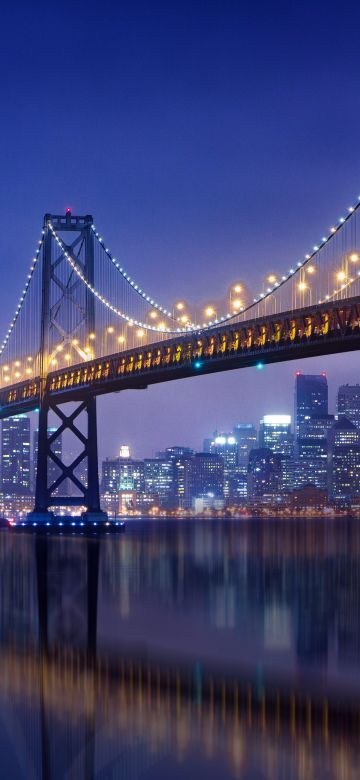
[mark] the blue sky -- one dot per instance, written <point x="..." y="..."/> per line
<point x="211" y="140"/>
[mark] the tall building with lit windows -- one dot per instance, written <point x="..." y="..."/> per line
<point x="311" y="397"/>
<point x="348" y="403"/>
<point x="275" y="433"/>
<point x="226" y="446"/>
<point x="344" y="462"/>
<point x="15" y="455"/>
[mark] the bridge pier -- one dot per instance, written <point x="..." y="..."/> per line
<point x="88" y="493"/>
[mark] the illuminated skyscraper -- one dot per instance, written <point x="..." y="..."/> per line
<point x="207" y="475"/>
<point x="344" y="462"/>
<point x="226" y="446"/>
<point x="311" y="397"/>
<point x="15" y="455"/>
<point x="348" y="403"/>
<point x="275" y="433"/>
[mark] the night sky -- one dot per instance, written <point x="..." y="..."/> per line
<point x="212" y="141"/>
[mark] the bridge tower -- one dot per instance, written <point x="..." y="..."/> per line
<point x="63" y="315"/>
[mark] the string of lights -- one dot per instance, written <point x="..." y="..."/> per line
<point x="137" y="289"/>
<point x="263" y="296"/>
<point x="114" y="309"/>
<point x="23" y="295"/>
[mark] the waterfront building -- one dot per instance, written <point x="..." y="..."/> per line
<point x="343" y="462"/>
<point x="159" y="480"/>
<point x="15" y="455"/>
<point x="264" y="475"/>
<point x="122" y="474"/>
<point x="226" y="446"/>
<point x="311" y="397"/>
<point x="348" y="403"/>
<point x="207" y="475"/>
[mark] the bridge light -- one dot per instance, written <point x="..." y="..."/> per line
<point x="67" y="356"/>
<point x="121" y="339"/>
<point x="180" y="305"/>
<point x="17" y="374"/>
<point x="5" y="368"/>
<point x="237" y="303"/>
<point x="17" y="363"/>
<point x="161" y="325"/>
<point x="140" y="332"/>
<point x="310" y="269"/>
<point x="110" y="329"/>
<point x="272" y="278"/>
<point x="259" y="366"/>
<point x="53" y="363"/>
<point x="333" y="230"/>
<point x="197" y="364"/>
<point x="209" y="311"/>
<point x="92" y="336"/>
<point x="302" y="286"/>
<point x="30" y="359"/>
<point x="237" y="288"/>
<point x="75" y="342"/>
<point x="153" y="315"/>
<point x="354" y="257"/>
<point x="341" y="275"/>
<point x="184" y="319"/>
<point x="29" y="370"/>
<point x="59" y="347"/>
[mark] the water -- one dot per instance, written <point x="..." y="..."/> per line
<point x="182" y="649"/>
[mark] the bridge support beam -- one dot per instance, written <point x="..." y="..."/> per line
<point x="52" y="493"/>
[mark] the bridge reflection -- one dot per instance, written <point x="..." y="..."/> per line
<point x="85" y="690"/>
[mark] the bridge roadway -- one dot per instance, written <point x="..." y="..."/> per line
<point x="321" y="329"/>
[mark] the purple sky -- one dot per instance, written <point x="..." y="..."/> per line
<point x="212" y="141"/>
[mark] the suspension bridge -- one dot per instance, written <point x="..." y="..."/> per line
<point x="84" y="327"/>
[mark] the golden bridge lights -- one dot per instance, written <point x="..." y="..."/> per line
<point x="92" y="336"/>
<point x="341" y="276"/>
<point x="237" y="304"/>
<point x="110" y="329"/>
<point x="180" y="306"/>
<point x="302" y="286"/>
<point x="271" y="279"/>
<point x="140" y="333"/>
<point x="310" y="270"/>
<point x="210" y="311"/>
<point x="237" y="288"/>
<point x="153" y="315"/>
<point x="354" y="257"/>
<point x="121" y="339"/>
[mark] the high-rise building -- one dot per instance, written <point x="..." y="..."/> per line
<point x="348" y="403"/>
<point x="15" y="455"/>
<point x="312" y="459"/>
<point x="343" y="462"/>
<point x="311" y="397"/>
<point x="264" y="475"/>
<point x="122" y="474"/>
<point x="226" y="446"/>
<point x="207" y="475"/>
<point x="275" y="433"/>
<point x="246" y="437"/>
<point x="159" y="480"/>
<point x="53" y="470"/>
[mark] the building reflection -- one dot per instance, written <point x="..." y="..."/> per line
<point x="92" y="701"/>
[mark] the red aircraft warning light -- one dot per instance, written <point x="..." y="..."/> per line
<point x="68" y="210"/>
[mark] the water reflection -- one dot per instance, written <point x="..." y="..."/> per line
<point x="182" y="648"/>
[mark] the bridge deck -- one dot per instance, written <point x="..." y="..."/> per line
<point x="317" y="330"/>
